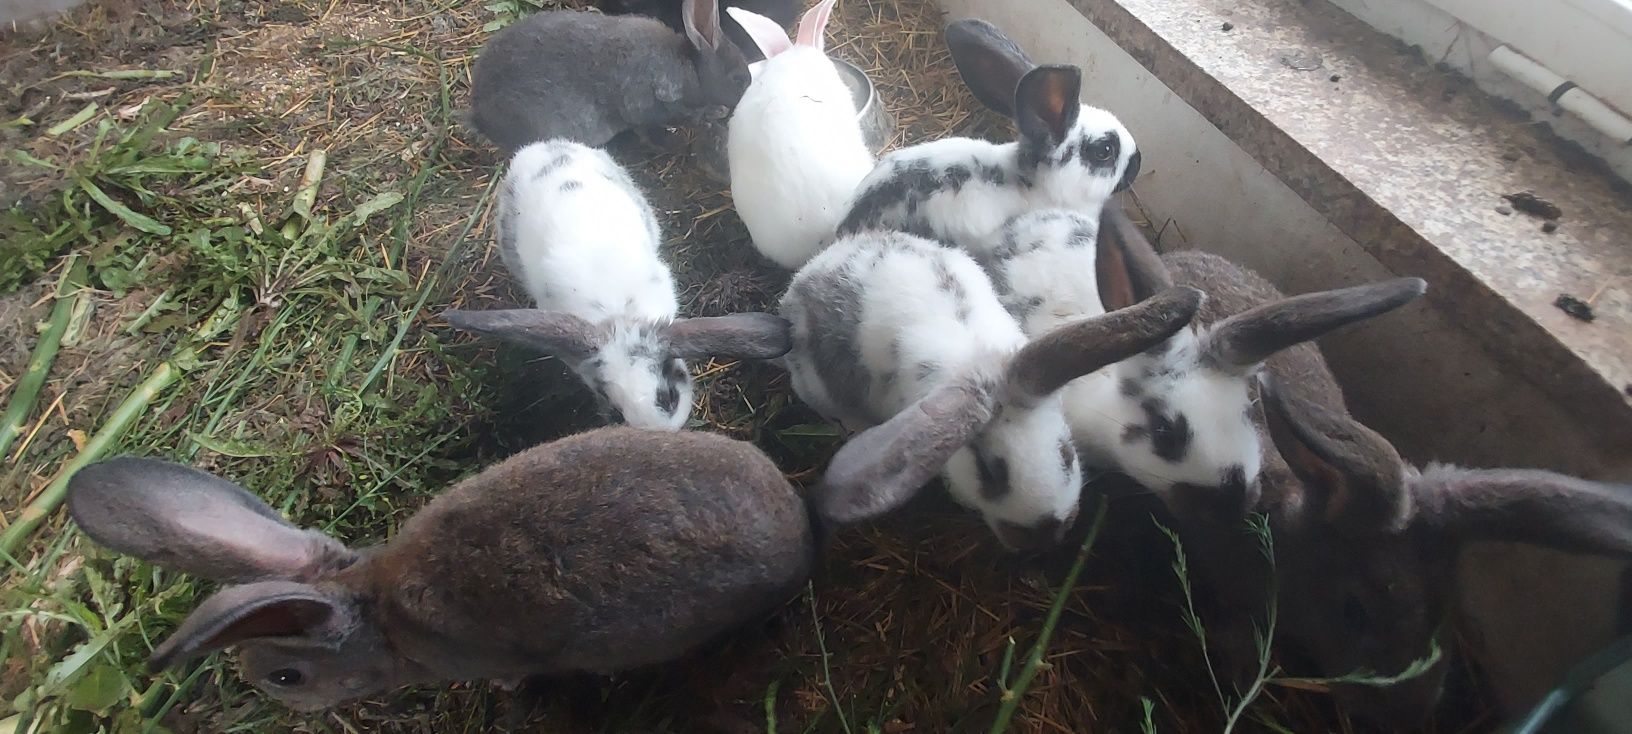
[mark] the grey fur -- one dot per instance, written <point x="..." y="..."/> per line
<point x="601" y="552"/>
<point x="587" y="77"/>
<point x="1363" y="541"/>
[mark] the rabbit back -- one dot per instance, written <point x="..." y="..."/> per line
<point x="881" y="318"/>
<point x="957" y="190"/>
<point x="577" y="231"/>
<point x="796" y="154"/>
<point x="605" y="551"/>
<point x="581" y="76"/>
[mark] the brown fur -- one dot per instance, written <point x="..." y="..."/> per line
<point x="609" y="550"/>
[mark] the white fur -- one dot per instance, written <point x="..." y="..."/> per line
<point x="796" y="153"/>
<point x="1045" y="268"/>
<point x="592" y="251"/>
<point x="906" y="320"/>
<point x="972" y="216"/>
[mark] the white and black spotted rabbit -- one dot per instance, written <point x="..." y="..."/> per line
<point x="1179" y="414"/>
<point x="606" y="551"/>
<point x="961" y="191"/>
<point x="904" y="340"/>
<point x="579" y="235"/>
<point x="587" y="77"/>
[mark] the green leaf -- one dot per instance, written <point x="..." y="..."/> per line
<point x="235" y="449"/>
<point x="100" y="688"/>
<point x="494" y="25"/>
<point x="69" y="670"/>
<point x="126" y="214"/>
<point x="81" y="117"/>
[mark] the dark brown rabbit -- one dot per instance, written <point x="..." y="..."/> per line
<point x="1363" y="541"/>
<point x="605" y="551"/>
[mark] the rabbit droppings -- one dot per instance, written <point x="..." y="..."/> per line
<point x="605" y="551"/>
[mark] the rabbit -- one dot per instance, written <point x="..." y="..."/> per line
<point x="587" y="77"/>
<point x="795" y="147"/>
<point x="581" y="238"/>
<point x="669" y="12"/>
<point x="1364" y="543"/>
<point x="961" y="191"/>
<point x="605" y="551"/>
<point x="1180" y="413"/>
<point x="904" y="341"/>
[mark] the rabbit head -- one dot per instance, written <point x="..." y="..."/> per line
<point x="997" y="432"/>
<point x="306" y="640"/>
<point x="722" y="70"/>
<point x="772" y="40"/>
<point x="637" y="370"/>
<point x="1180" y="416"/>
<point x="1071" y="151"/>
<point x="1364" y="545"/>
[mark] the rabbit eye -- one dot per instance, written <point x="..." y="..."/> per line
<point x="668" y="397"/>
<point x="1102" y="151"/>
<point x="286" y="677"/>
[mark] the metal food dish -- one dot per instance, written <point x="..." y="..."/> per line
<point x="876" y="123"/>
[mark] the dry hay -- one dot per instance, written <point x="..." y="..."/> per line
<point x="910" y="618"/>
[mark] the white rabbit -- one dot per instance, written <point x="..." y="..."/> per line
<point x="580" y="236"/>
<point x="795" y="148"/>
<point x="961" y="190"/>
<point x="905" y="340"/>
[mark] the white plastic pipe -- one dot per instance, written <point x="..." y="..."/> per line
<point x="1564" y="93"/>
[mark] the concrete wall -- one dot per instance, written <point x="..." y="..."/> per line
<point x="1414" y="376"/>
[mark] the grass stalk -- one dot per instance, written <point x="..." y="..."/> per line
<point x="114" y="428"/>
<point x="1034" y="658"/>
<point x="27" y="390"/>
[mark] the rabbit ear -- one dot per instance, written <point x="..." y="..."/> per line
<point x="1046" y="103"/>
<point x="767" y="35"/>
<point x="191" y="521"/>
<point x="554" y="333"/>
<point x="1050" y="361"/>
<point x="1125" y="264"/>
<point x="1248" y="338"/>
<point x="702" y="22"/>
<point x="253" y="611"/>
<point x="813" y="23"/>
<point x="1529" y="506"/>
<point x="991" y="65"/>
<point x="742" y="335"/>
<point x="1352" y="476"/>
<point x="884" y="466"/>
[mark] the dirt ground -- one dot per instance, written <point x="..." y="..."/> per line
<point x="907" y="626"/>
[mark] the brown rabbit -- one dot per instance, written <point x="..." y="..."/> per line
<point x="609" y="550"/>
<point x="1363" y="541"/>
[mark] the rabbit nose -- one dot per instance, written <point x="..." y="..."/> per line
<point x="1043" y="535"/>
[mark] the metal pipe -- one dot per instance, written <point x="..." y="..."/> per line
<point x="1563" y="93"/>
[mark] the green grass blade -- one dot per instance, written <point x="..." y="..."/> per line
<point x="124" y="213"/>
<point x="27" y="390"/>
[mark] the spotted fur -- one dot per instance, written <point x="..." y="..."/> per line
<point x="582" y="240"/>
<point x="961" y="190"/>
<point x="894" y="304"/>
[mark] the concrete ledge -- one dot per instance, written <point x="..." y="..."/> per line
<point x="1412" y="163"/>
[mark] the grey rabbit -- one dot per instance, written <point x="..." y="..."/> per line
<point x="587" y="77"/>
<point x="1364" y="542"/>
<point x="605" y="551"/>
<point x="670" y="12"/>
